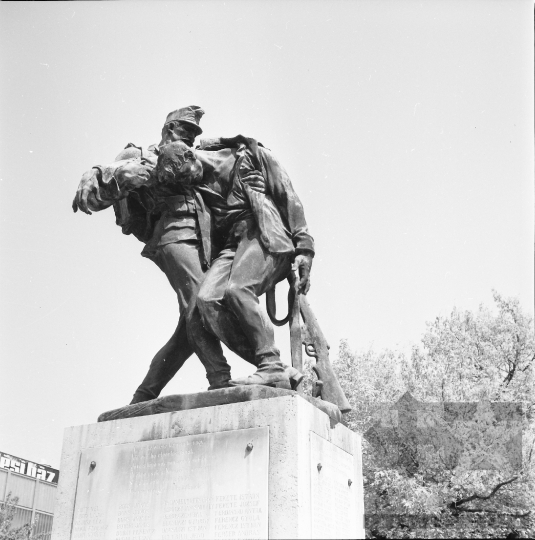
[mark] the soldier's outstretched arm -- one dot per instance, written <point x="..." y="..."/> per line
<point x="89" y="195"/>
<point x="100" y="187"/>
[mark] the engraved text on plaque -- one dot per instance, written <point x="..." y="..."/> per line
<point x="192" y="487"/>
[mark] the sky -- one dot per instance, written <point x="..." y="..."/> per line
<point x="405" y="126"/>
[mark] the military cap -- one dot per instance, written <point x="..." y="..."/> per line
<point x="188" y="115"/>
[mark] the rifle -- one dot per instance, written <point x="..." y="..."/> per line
<point x="310" y="335"/>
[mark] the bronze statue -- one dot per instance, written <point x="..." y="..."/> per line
<point x="167" y="222"/>
<point x="225" y="225"/>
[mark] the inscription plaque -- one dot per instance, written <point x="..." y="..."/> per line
<point x="192" y="487"/>
<point x="334" y="502"/>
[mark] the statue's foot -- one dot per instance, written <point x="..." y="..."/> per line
<point x="265" y="378"/>
<point x="289" y="376"/>
<point x="135" y="401"/>
<point x="139" y="397"/>
<point x="218" y="379"/>
<point x="220" y="385"/>
<point x="294" y="376"/>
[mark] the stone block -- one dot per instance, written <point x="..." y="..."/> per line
<point x="276" y="467"/>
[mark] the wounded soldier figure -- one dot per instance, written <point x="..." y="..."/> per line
<point x="259" y="235"/>
<point x="257" y="231"/>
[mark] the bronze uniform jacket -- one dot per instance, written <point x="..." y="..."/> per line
<point x="278" y="212"/>
<point x="155" y="218"/>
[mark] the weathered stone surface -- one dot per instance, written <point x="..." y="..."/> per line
<point x="224" y="396"/>
<point x="331" y="485"/>
<point x="194" y="487"/>
<point x="290" y="419"/>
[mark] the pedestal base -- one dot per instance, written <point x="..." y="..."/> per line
<point x="270" y="468"/>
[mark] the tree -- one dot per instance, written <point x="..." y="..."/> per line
<point x="7" y="512"/>
<point x="472" y="356"/>
<point x="471" y="368"/>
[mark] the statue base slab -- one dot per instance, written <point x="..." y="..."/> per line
<point x="224" y="396"/>
<point x="274" y="466"/>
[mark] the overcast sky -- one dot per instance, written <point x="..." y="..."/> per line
<point x="406" y="128"/>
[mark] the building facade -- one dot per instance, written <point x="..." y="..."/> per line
<point x="35" y="486"/>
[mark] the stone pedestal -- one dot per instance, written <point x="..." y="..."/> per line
<point x="276" y="467"/>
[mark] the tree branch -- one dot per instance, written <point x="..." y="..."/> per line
<point x="510" y="375"/>
<point x="526" y="514"/>
<point x="529" y="363"/>
<point x="457" y="503"/>
<point x="513" y="365"/>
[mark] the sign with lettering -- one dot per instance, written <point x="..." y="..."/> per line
<point x="27" y="468"/>
<point x="334" y="502"/>
<point x="192" y="487"/>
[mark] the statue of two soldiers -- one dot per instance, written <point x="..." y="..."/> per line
<point x="224" y="224"/>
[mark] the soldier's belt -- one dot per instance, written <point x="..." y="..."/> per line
<point x="181" y="204"/>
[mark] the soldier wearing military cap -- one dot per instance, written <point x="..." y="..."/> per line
<point x="259" y="202"/>
<point x="175" y="227"/>
<point x="183" y="124"/>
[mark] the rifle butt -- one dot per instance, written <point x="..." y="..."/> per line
<point x="331" y="390"/>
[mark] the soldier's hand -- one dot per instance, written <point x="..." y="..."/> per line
<point x="255" y="181"/>
<point x="302" y="265"/>
<point x="88" y="186"/>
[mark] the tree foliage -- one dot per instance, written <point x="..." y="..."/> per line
<point x="471" y="490"/>
<point x="473" y="356"/>
<point x="7" y="513"/>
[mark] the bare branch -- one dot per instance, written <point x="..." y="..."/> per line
<point x="456" y="504"/>
<point x="529" y="363"/>
<point x="510" y="375"/>
<point x="526" y="514"/>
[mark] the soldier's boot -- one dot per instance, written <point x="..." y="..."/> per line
<point x="295" y="377"/>
<point x="218" y="379"/>
<point x="271" y="371"/>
